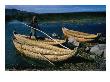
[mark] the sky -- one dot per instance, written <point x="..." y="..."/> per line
<point x="58" y="8"/>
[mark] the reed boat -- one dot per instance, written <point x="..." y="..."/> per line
<point x="41" y="50"/>
<point x="79" y="36"/>
<point x="24" y="38"/>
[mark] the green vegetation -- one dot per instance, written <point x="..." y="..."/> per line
<point x="79" y="17"/>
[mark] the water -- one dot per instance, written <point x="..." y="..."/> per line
<point x="15" y="61"/>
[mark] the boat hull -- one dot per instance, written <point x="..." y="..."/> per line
<point x="44" y="51"/>
<point x="79" y="36"/>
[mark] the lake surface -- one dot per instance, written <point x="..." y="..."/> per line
<point x="13" y="61"/>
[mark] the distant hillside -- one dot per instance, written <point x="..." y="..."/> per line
<point x="12" y="14"/>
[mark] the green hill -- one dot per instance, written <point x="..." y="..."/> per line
<point x="77" y="17"/>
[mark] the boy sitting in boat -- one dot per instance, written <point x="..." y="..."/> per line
<point x="34" y="24"/>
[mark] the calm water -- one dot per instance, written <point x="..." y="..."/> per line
<point x="15" y="61"/>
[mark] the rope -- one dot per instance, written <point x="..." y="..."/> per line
<point x="46" y="35"/>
